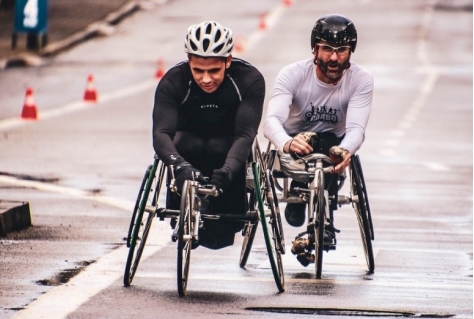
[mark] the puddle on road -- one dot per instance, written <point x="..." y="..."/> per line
<point x="65" y="275"/>
<point x="341" y="312"/>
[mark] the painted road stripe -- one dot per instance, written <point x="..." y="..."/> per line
<point x="427" y="87"/>
<point x="65" y="299"/>
<point x="80" y="105"/>
<point x="437" y="167"/>
<point x="112" y="201"/>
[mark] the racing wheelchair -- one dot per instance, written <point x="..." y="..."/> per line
<point x="263" y="208"/>
<point x="312" y="170"/>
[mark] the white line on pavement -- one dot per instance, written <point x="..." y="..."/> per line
<point x="80" y="105"/>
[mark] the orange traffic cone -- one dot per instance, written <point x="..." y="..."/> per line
<point x="160" y="71"/>
<point x="263" y="23"/>
<point x="287" y="3"/>
<point x="239" y="44"/>
<point x="90" y="95"/>
<point x="29" y="111"/>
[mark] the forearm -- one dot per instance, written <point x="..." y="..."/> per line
<point x="247" y="122"/>
<point x="273" y="130"/>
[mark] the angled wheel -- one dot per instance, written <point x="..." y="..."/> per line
<point x="269" y="231"/>
<point x="320" y="206"/>
<point x="137" y="205"/>
<point x="142" y="219"/>
<point x="271" y="200"/>
<point x="185" y="237"/>
<point x="249" y="231"/>
<point x="362" y="210"/>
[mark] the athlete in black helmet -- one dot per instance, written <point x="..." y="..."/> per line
<point x="321" y="104"/>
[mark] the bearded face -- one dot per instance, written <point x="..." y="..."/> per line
<point x="331" y="61"/>
<point x="333" y="70"/>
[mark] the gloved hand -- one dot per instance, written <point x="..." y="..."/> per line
<point x="184" y="171"/>
<point x="222" y="178"/>
<point x="341" y="157"/>
<point x="301" y="144"/>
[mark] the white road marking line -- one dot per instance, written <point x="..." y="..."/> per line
<point x="428" y="85"/>
<point x="112" y="201"/>
<point x="94" y="278"/>
<point x="437" y="167"/>
<point x="80" y="105"/>
<point x="65" y="299"/>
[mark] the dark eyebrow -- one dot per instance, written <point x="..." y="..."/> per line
<point x="210" y="70"/>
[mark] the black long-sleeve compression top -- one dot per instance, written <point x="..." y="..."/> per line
<point x="234" y="109"/>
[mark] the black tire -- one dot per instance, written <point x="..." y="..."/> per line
<point x="142" y="220"/>
<point x="358" y="166"/>
<point x="320" y="216"/>
<point x="275" y="220"/>
<point x="249" y="231"/>
<point x="274" y="255"/>
<point x="137" y="205"/>
<point x="184" y="238"/>
<point x="272" y="202"/>
<point x="361" y="208"/>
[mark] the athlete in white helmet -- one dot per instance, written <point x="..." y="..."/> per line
<point x="206" y="115"/>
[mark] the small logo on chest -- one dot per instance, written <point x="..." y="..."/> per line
<point x="209" y="106"/>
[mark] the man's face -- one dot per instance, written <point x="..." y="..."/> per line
<point x="332" y="61"/>
<point x="208" y="72"/>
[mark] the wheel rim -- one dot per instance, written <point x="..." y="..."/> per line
<point x="140" y="245"/>
<point x="319" y="225"/>
<point x="274" y="256"/>
<point x="249" y="235"/>
<point x="184" y="239"/>
<point x="138" y="240"/>
<point x="362" y="218"/>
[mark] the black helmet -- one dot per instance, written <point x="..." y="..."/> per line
<point x="334" y="29"/>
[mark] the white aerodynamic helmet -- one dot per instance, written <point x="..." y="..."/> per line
<point x="209" y="39"/>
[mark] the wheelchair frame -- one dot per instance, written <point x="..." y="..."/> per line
<point x="318" y="201"/>
<point x="189" y="218"/>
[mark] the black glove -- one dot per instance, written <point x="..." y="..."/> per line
<point x="184" y="171"/>
<point x="222" y="178"/>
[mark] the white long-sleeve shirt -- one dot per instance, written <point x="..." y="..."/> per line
<point x="302" y="103"/>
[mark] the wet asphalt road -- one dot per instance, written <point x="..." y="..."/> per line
<point x="80" y="167"/>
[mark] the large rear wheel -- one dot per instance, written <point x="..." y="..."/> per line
<point x="272" y="203"/>
<point x="320" y="206"/>
<point x="362" y="210"/>
<point x="274" y="254"/>
<point x="142" y="218"/>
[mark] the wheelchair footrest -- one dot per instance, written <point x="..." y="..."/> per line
<point x="163" y="213"/>
<point x="249" y="216"/>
